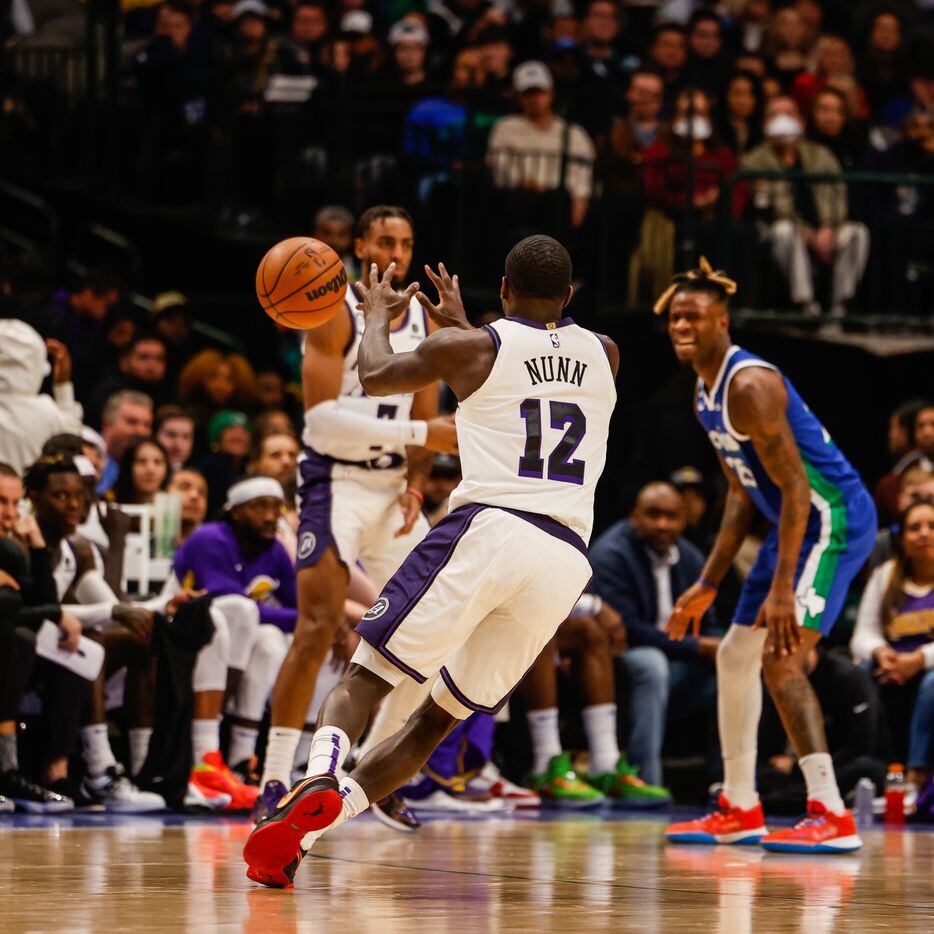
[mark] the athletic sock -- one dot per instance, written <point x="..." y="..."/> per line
<point x="329" y="748"/>
<point x="8" y="756"/>
<point x="280" y="754"/>
<point x="355" y="802"/>
<point x="821" y="781"/>
<point x="600" y="727"/>
<point x="205" y="738"/>
<point x="95" y="748"/>
<point x="739" y="781"/>
<point x="242" y="743"/>
<point x="546" y="740"/>
<point x="139" y="737"/>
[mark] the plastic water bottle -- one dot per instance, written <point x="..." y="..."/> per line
<point x="895" y="794"/>
<point x="865" y="792"/>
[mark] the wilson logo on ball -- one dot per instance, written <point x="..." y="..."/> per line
<point x="335" y="285"/>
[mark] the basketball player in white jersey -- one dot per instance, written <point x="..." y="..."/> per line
<point x="365" y="464"/>
<point x="481" y="595"/>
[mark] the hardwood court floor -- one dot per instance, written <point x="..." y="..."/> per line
<point x="97" y="874"/>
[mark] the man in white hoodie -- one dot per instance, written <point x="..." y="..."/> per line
<point x="27" y="418"/>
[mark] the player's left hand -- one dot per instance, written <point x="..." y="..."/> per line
<point x="380" y="298"/>
<point x="778" y="614"/>
<point x="689" y="610"/>
<point x="449" y="312"/>
<point x="411" y="506"/>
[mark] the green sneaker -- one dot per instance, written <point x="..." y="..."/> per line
<point x="560" y="786"/>
<point x="626" y="789"/>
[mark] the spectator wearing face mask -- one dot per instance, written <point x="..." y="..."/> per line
<point x="806" y="222"/>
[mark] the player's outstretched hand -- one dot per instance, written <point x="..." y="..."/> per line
<point x="779" y="616"/>
<point x="689" y="610"/>
<point x="379" y="297"/>
<point x="449" y="312"/>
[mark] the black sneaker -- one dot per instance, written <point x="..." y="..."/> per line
<point x="393" y="812"/>
<point x="30" y="797"/>
<point x="69" y="789"/>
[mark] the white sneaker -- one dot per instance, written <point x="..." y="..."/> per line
<point x="119" y="795"/>
<point x="490" y="781"/>
<point x="440" y="802"/>
<point x="196" y="798"/>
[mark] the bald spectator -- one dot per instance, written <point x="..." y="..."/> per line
<point x="127" y="416"/>
<point x="641" y="566"/>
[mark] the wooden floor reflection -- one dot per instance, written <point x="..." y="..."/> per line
<point x="493" y="876"/>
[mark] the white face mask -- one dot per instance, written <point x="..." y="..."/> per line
<point x="699" y="128"/>
<point x="784" y="127"/>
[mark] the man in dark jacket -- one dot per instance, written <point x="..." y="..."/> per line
<point x="641" y="566"/>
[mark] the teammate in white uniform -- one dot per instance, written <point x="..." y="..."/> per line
<point x="478" y="599"/>
<point x="361" y="475"/>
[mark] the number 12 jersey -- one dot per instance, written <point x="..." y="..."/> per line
<point x="533" y="437"/>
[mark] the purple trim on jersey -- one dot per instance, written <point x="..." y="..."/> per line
<point x="353" y="329"/>
<point x="314" y="518"/>
<point x="412" y="581"/>
<point x="425" y="319"/>
<point x="563" y="323"/>
<point x="497" y="340"/>
<point x="403" y="322"/>
<point x="479" y="708"/>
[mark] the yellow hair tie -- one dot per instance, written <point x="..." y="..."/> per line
<point x="704" y="273"/>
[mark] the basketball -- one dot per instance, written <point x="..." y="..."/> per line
<point x="301" y="283"/>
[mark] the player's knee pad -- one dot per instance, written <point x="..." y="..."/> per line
<point x="740" y="652"/>
<point x="210" y="672"/>
<point x="242" y="616"/>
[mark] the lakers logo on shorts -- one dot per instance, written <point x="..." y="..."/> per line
<point x="306" y="544"/>
<point x="378" y="609"/>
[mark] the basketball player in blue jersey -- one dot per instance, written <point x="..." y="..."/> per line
<point x="361" y="475"/>
<point x="780" y="459"/>
<point x="481" y="595"/>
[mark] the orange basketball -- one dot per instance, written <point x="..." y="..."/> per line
<point x="301" y="283"/>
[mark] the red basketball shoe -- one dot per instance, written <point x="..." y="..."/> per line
<point x="725" y="825"/>
<point x="820" y="832"/>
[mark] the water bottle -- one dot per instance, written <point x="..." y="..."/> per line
<point x="865" y="792"/>
<point x="895" y="794"/>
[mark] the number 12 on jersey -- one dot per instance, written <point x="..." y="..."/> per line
<point x="560" y="464"/>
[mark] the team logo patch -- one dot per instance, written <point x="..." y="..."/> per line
<point x="306" y="544"/>
<point x="261" y="588"/>
<point x="555" y="340"/>
<point x="378" y="609"/>
<point x="812" y="602"/>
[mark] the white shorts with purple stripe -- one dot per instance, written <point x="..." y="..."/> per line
<point x="476" y="601"/>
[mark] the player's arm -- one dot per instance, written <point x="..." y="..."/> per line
<point x="331" y="429"/>
<point x="758" y="403"/>
<point x="689" y="609"/>
<point x="612" y="352"/>
<point x="461" y="358"/>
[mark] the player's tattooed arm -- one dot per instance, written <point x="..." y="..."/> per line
<point x="758" y="403"/>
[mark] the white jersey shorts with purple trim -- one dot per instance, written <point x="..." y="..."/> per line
<point x="476" y="601"/>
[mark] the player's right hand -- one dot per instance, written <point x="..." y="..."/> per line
<point x="449" y="312"/>
<point x="137" y="620"/>
<point x="689" y="610"/>
<point x="442" y="435"/>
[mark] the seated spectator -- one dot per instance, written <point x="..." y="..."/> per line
<point x="174" y="429"/>
<point x="603" y="69"/>
<point x="807" y="221"/>
<point x="230" y="442"/>
<point x="276" y="456"/>
<point x="909" y="451"/>
<point x="833" y="68"/>
<point x="496" y="53"/>
<point x="918" y="99"/>
<point x="127" y="415"/>
<point x="304" y="50"/>
<point x="741" y="109"/>
<point x="641" y="566"/>
<point x="272" y="395"/>
<point x="916" y="484"/>
<point x="171" y="320"/>
<point x="83" y="310"/>
<point x="527" y="151"/>
<point x="883" y="66"/>
<point x="895" y="632"/>
<point x="28" y="598"/>
<point x="912" y="154"/>
<point x="212" y="382"/>
<point x="144" y="472"/>
<point x="787" y="45"/>
<point x="142" y="368"/>
<point x="27" y="417"/>
<point x="831" y="126"/>
<point x="708" y="63"/>
<point x="192" y="488"/>
<point x="273" y="422"/>
<point x="667" y="56"/>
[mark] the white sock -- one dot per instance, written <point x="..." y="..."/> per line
<point x="355" y="802"/>
<point x="205" y="737"/>
<point x="329" y="748"/>
<point x="821" y="781"/>
<point x="139" y="737"/>
<point x="546" y="740"/>
<point x="600" y="727"/>
<point x="242" y="743"/>
<point x="739" y="707"/>
<point x="280" y="754"/>
<point x="303" y="750"/>
<point x="95" y="747"/>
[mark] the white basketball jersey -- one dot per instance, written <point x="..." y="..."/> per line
<point x="533" y="436"/>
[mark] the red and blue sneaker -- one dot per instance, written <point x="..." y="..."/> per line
<point x="725" y="825"/>
<point x="821" y="831"/>
<point x="265" y="805"/>
<point x="273" y="851"/>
